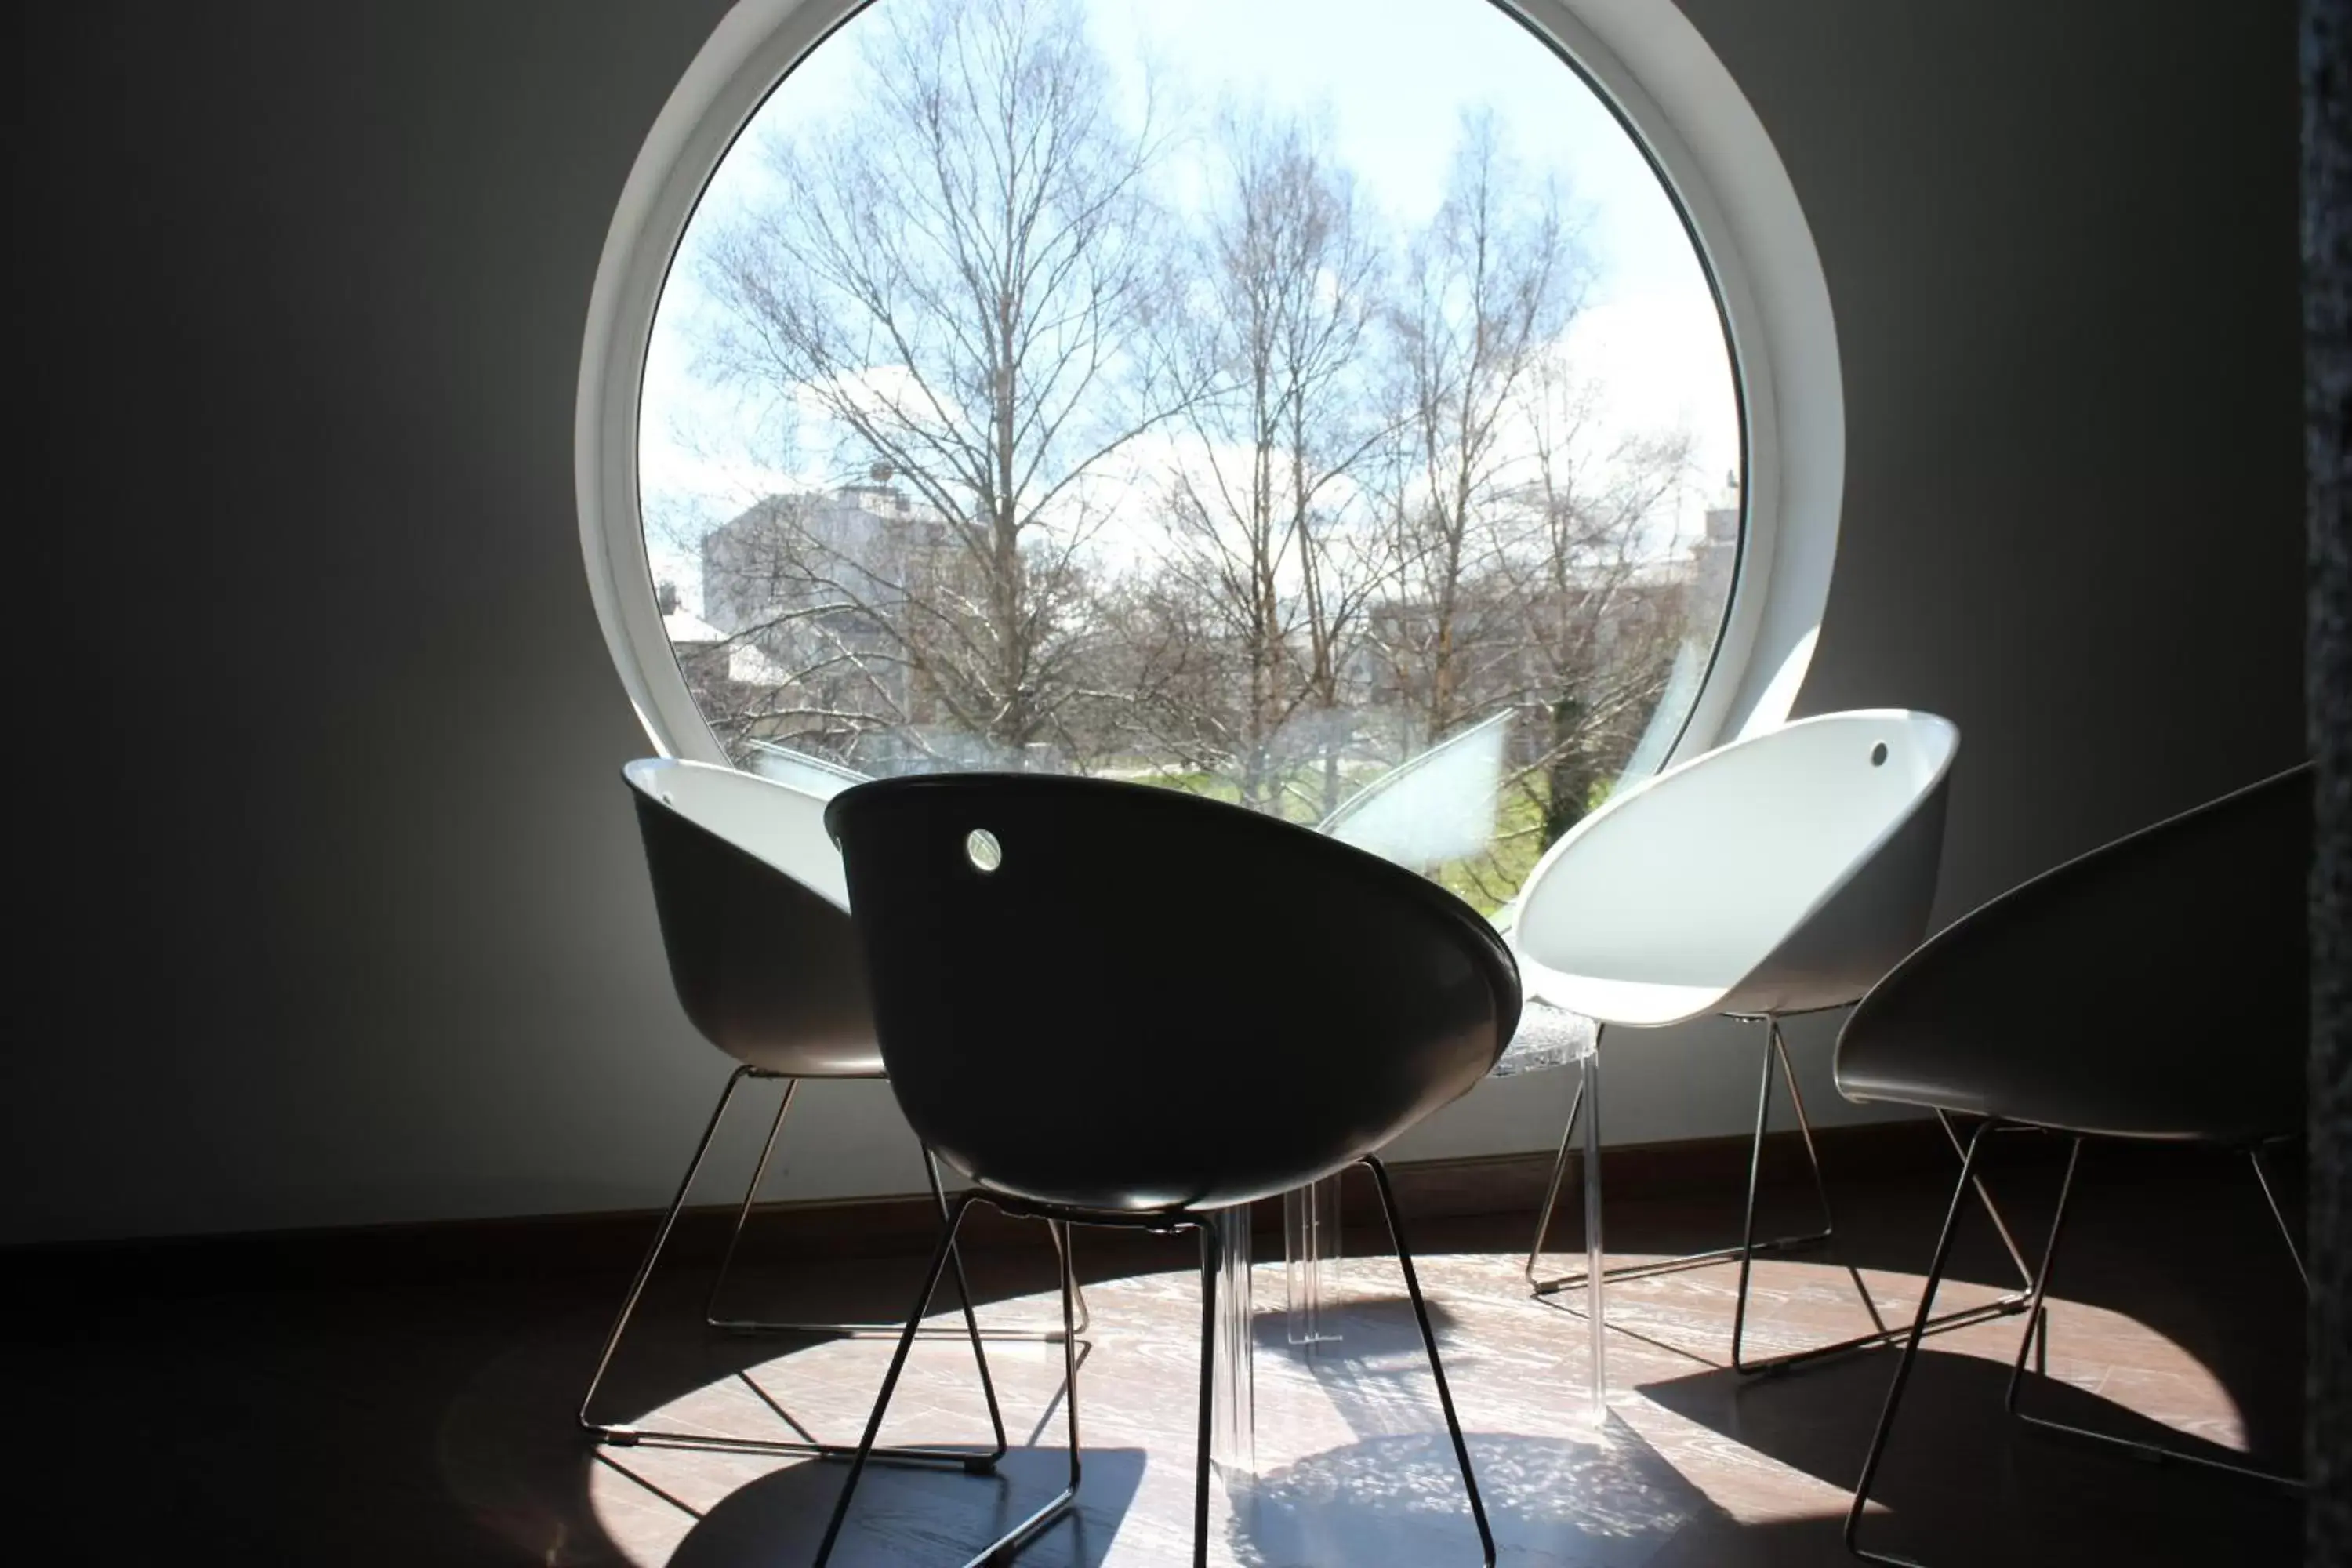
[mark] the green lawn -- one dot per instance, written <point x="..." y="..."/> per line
<point x="1485" y="881"/>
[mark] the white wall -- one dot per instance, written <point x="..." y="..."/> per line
<point x="302" y="324"/>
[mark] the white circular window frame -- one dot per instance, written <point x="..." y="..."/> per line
<point x="1679" y="102"/>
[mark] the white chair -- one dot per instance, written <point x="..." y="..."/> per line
<point x="754" y="910"/>
<point x="1782" y="874"/>
<point x="1436" y="805"/>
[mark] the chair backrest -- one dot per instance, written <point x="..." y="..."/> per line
<point x="2156" y="987"/>
<point x="754" y="919"/>
<point x="1128" y="999"/>
<point x="1436" y="805"/>
<point x="1777" y="874"/>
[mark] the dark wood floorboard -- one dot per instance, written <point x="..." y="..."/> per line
<point x="278" y="1419"/>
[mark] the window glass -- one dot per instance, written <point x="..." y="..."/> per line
<point x="1316" y="404"/>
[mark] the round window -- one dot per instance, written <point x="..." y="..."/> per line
<point x="1321" y="407"/>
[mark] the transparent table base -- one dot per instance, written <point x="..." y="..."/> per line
<point x="1311" y="1254"/>
<point x="1311" y="1258"/>
<point x="1596" y="1281"/>
<point x="1550" y="1037"/>
<point x="1233" y="1445"/>
<point x="1311" y="1277"/>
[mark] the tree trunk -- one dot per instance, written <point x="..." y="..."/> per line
<point x="1568" y="778"/>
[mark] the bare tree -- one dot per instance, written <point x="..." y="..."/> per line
<point x="1291" y="270"/>
<point x="1606" y="604"/>
<point x="1388" y="506"/>
<point x="954" y="280"/>
<point x="1576" y="613"/>
<point x="1491" y="284"/>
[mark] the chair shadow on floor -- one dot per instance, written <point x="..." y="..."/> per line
<point x="1964" y="1482"/>
<point x="906" y="1515"/>
<point x="508" y="1453"/>
<point x="1398" y="1500"/>
<point x="1395" y="1496"/>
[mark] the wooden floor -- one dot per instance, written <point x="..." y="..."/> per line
<point x="429" y="1420"/>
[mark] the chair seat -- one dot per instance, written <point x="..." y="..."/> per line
<point x="809" y="1058"/>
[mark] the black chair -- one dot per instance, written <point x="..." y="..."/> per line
<point x="1117" y="1005"/>
<point x="767" y="967"/>
<point x="2056" y="1007"/>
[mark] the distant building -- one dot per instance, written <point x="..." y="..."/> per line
<point x="795" y="553"/>
<point x="708" y="655"/>
<point x="733" y="682"/>
<point x="819" y="590"/>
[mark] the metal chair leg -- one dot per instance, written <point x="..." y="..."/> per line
<point x="743" y="1214"/>
<point x="1008" y="1545"/>
<point x="1776" y="1052"/>
<point x="710" y="1314"/>
<point x="1804" y="1125"/>
<point x="865" y="1449"/>
<point x="1773" y="1050"/>
<point x="1992" y="1209"/>
<point x="1776" y="1057"/>
<point x="1212" y="1260"/>
<point x="645" y="1268"/>
<point x="2037" y="1331"/>
<point x="1005" y="1547"/>
<point x="2286" y="1231"/>
<point x="1437" y="1365"/>
<point x="1920" y="1322"/>
<point x="2004" y="1306"/>
<point x="2001" y="1307"/>
<point x="621" y="1435"/>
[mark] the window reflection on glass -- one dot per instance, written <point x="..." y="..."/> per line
<point x="1314" y="403"/>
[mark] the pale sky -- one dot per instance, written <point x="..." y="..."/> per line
<point x="1392" y="79"/>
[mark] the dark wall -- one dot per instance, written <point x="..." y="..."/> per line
<point x="341" y="912"/>
<point x="348" y="928"/>
<point x="2061" y="244"/>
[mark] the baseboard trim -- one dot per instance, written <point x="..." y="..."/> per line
<point x="611" y="1242"/>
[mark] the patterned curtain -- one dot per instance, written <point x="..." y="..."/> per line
<point x="2327" y="400"/>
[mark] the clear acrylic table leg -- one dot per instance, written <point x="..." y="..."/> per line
<point x="1310" y="1254"/>
<point x="1233" y="1415"/>
<point x="1596" y="1281"/>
